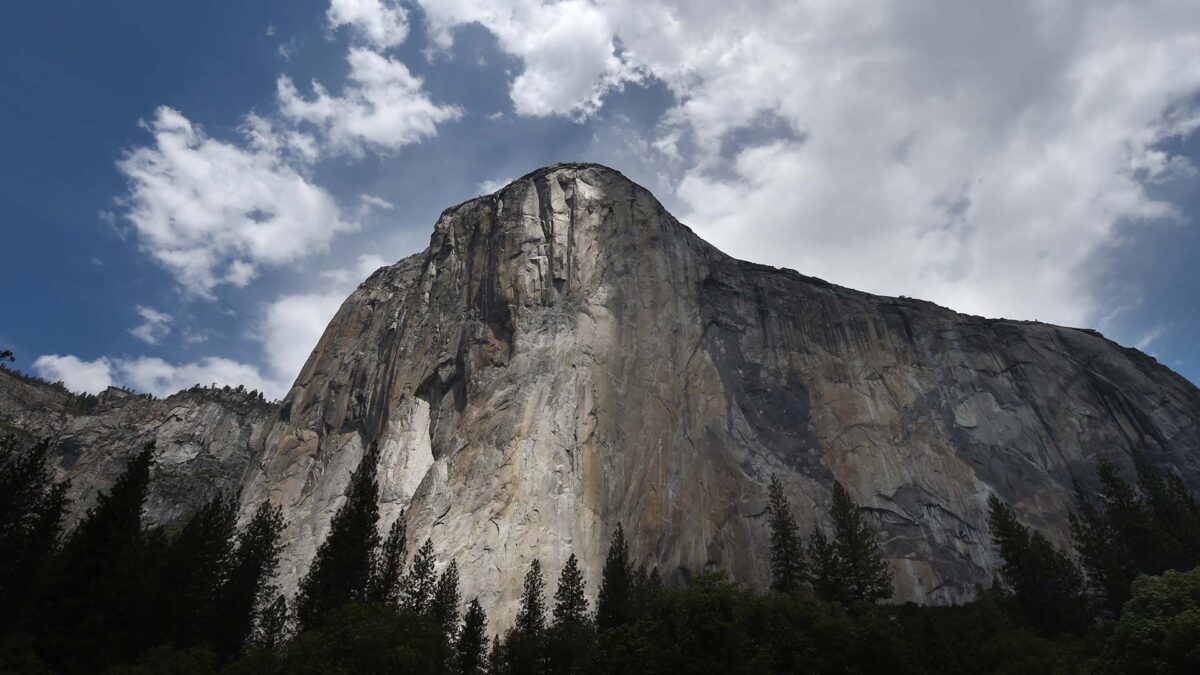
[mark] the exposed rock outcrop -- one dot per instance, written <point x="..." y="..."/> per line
<point x="565" y="356"/>
<point x="205" y="439"/>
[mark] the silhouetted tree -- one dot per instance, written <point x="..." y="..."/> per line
<point x="524" y="647"/>
<point x="613" y="604"/>
<point x="197" y="562"/>
<point x="864" y="574"/>
<point x="569" y="637"/>
<point x="471" y="648"/>
<point x="249" y="594"/>
<point x="99" y="610"/>
<point x="341" y="570"/>
<point x="444" y="607"/>
<point x="389" y="565"/>
<point x="787" y="549"/>
<point x="31" y="513"/>
<point x="824" y="568"/>
<point x="570" y="599"/>
<point x="1043" y="580"/>
<point x="416" y="589"/>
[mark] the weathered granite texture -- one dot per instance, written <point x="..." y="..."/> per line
<point x="205" y="439"/>
<point x="565" y="356"/>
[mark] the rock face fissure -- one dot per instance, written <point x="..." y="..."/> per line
<point x="565" y="356"/>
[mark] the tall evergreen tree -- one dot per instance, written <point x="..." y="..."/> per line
<point x="787" y="549"/>
<point x="570" y="599"/>
<point x="197" y="562"/>
<point x="416" y="588"/>
<point x="31" y="512"/>
<point x="569" y="638"/>
<point x="524" y="646"/>
<point x="341" y="570"/>
<point x="444" y="607"/>
<point x="614" y="603"/>
<point x="865" y="575"/>
<point x="824" y="567"/>
<point x="389" y="565"/>
<point x="1175" y="518"/>
<point x="99" y="610"/>
<point x="271" y="627"/>
<point x="245" y="597"/>
<point x="471" y="647"/>
<point x="531" y="618"/>
<point x="1043" y="580"/>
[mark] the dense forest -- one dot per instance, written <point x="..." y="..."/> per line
<point x="112" y="595"/>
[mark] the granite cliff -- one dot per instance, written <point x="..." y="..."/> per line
<point x="565" y="355"/>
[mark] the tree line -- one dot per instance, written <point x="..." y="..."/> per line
<point x="114" y="595"/>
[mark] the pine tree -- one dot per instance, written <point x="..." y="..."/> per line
<point x="389" y="565"/>
<point x="341" y="570"/>
<point x="614" y="604"/>
<point x="31" y="513"/>
<point x="99" y="610"/>
<point x="570" y="599"/>
<point x="444" y="607"/>
<point x="472" y="642"/>
<point x="524" y="646"/>
<point x="864" y="574"/>
<point x="824" y="568"/>
<point x="531" y="619"/>
<point x="245" y="599"/>
<point x="270" y="628"/>
<point x="1174" y="517"/>
<point x="197" y="563"/>
<point x="1043" y="580"/>
<point x="787" y="549"/>
<point x="416" y="588"/>
<point x="569" y="638"/>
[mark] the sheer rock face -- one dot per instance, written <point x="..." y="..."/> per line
<point x="205" y="439"/>
<point x="566" y="356"/>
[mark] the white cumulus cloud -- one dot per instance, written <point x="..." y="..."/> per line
<point x="980" y="155"/>
<point x="213" y="212"/>
<point x="90" y="377"/>
<point x="381" y="23"/>
<point x="154" y="327"/>
<point x="383" y="108"/>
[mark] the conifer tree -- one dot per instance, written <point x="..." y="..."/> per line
<point x="270" y="628"/>
<point x="31" y="513"/>
<point x="787" y="549"/>
<point x="569" y="638"/>
<point x="341" y="570"/>
<point x="824" y="568"/>
<point x="197" y="562"/>
<point x="99" y="610"/>
<point x="389" y="565"/>
<point x="444" y="607"/>
<point x="524" y="647"/>
<point x="864" y="574"/>
<point x="245" y="598"/>
<point x="570" y="599"/>
<point x="531" y="619"/>
<point x="471" y="647"/>
<point x="1043" y="580"/>
<point x="613" y="605"/>
<point x="416" y="589"/>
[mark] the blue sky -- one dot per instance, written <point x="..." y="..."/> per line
<point x="182" y="204"/>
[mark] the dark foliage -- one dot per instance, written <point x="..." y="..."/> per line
<point x="615" y="603"/>
<point x="787" y="550"/>
<point x="1044" y="581"/>
<point x="341" y="571"/>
